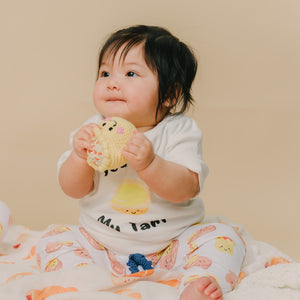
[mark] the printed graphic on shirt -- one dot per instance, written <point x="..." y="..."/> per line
<point x="132" y="197"/>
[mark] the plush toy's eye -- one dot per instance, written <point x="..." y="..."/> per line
<point x="103" y="124"/>
<point x="114" y="125"/>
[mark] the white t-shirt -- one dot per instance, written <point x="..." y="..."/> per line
<point x="123" y="214"/>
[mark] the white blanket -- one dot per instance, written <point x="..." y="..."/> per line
<point x="266" y="274"/>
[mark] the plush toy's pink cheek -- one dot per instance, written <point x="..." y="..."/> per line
<point x="120" y="130"/>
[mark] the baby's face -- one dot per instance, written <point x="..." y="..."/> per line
<point x="128" y="88"/>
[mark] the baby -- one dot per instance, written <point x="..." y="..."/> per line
<point x="145" y="215"/>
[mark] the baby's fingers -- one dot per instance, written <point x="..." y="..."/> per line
<point x="131" y="148"/>
<point x="87" y="131"/>
<point x="81" y="147"/>
<point x="83" y="140"/>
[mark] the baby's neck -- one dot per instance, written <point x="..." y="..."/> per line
<point x="144" y="129"/>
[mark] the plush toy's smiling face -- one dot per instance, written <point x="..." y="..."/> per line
<point x="108" y="124"/>
<point x="112" y="126"/>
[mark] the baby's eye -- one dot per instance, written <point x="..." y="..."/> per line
<point x="104" y="74"/>
<point x="131" y="74"/>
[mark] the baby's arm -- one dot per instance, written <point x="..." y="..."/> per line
<point x="169" y="180"/>
<point x="76" y="177"/>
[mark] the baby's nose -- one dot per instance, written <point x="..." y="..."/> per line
<point x="113" y="83"/>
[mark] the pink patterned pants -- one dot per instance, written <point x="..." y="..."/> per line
<point x="215" y="250"/>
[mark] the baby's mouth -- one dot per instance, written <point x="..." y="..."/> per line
<point x="115" y="100"/>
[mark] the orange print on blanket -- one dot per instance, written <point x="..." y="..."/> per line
<point x="171" y="282"/>
<point x="129" y="293"/>
<point x="119" y="280"/>
<point x="81" y="265"/>
<point x="31" y="253"/>
<point x="275" y="261"/>
<point x="17" y="276"/>
<point x="48" y="291"/>
<point x="242" y="275"/>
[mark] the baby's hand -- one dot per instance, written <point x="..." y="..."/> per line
<point x="139" y="151"/>
<point x="83" y="140"/>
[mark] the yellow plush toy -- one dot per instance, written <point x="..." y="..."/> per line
<point x="111" y="136"/>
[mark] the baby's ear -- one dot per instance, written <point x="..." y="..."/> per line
<point x="169" y="103"/>
<point x="173" y="97"/>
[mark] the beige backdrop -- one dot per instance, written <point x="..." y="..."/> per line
<point x="247" y="93"/>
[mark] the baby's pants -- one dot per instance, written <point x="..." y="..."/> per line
<point x="214" y="250"/>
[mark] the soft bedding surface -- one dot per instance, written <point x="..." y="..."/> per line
<point x="267" y="274"/>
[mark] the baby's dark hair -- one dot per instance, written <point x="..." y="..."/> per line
<point x="174" y="62"/>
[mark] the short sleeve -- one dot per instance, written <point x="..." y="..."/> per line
<point x="185" y="146"/>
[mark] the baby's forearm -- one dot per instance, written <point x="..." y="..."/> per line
<point x="171" y="181"/>
<point x="76" y="177"/>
